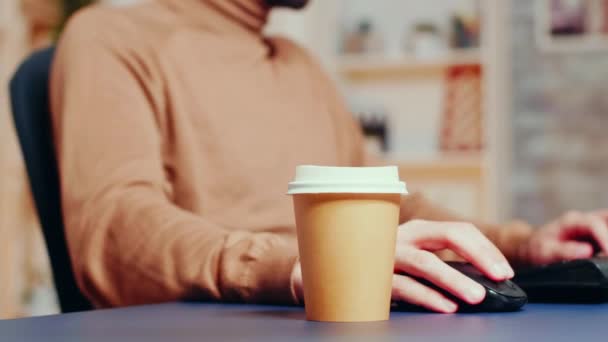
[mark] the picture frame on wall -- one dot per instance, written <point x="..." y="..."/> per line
<point x="572" y="25"/>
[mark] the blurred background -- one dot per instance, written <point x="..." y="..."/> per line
<point x="493" y="108"/>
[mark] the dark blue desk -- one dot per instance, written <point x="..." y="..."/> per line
<point x="213" y="322"/>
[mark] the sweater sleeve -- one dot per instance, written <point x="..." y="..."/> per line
<point x="129" y="243"/>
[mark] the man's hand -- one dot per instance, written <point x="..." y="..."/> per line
<point x="416" y="242"/>
<point x="297" y="284"/>
<point x="576" y="235"/>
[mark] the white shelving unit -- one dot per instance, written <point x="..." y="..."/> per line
<point x="479" y="178"/>
<point x="368" y="67"/>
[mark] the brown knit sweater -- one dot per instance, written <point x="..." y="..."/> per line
<point x="178" y="126"/>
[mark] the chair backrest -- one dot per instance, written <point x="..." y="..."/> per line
<point x="29" y="90"/>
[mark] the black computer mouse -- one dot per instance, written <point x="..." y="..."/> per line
<point x="500" y="296"/>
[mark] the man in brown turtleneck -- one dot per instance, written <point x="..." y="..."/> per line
<point x="178" y="126"/>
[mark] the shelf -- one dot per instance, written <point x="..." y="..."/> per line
<point x="448" y="167"/>
<point x="369" y="67"/>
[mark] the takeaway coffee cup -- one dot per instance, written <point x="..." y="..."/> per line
<point x="347" y="219"/>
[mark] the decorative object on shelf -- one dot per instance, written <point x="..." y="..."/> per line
<point x="375" y="125"/>
<point x="462" y="128"/>
<point x="465" y="32"/>
<point x="425" y="41"/>
<point x="362" y="40"/>
<point x="572" y="25"/>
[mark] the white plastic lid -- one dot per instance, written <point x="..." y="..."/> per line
<point x="312" y="179"/>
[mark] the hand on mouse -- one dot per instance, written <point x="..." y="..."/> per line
<point x="417" y="239"/>
<point x="297" y="284"/>
<point x="575" y="235"/>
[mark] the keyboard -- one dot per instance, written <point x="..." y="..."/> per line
<point x="576" y="281"/>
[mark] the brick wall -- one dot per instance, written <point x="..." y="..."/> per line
<point x="560" y="125"/>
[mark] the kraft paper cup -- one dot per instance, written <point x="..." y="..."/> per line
<point x="347" y="221"/>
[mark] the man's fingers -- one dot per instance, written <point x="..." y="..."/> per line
<point x="464" y="239"/>
<point x="587" y="224"/>
<point x="423" y="264"/>
<point x="570" y="250"/>
<point x="553" y="250"/>
<point x="409" y="290"/>
<point x="468" y="242"/>
<point x="599" y="230"/>
<point x="603" y="214"/>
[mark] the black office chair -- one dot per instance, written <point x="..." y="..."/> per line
<point x="29" y="90"/>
